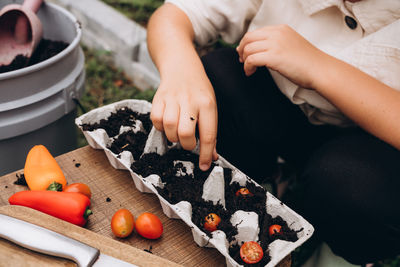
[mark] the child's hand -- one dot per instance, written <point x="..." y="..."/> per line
<point x="181" y="103"/>
<point x="282" y="49"/>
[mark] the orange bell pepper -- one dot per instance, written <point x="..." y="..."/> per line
<point x="41" y="169"/>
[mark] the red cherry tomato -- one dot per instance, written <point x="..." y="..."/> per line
<point x="244" y="192"/>
<point x="79" y="188"/>
<point x="149" y="226"/>
<point x="211" y="222"/>
<point x="275" y="229"/>
<point x="251" y="252"/>
<point x="122" y="223"/>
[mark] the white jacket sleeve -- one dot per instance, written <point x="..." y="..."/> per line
<point x="378" y="54"/>
<point x="210" y="19"/>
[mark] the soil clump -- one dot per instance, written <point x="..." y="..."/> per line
<point x="45" y="50"/>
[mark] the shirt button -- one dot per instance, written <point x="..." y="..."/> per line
<point x="351" y="23"/>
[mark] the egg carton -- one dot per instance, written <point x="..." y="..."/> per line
<point x="156" y="142"/>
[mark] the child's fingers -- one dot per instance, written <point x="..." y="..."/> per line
<point x="215" y="154"/>
<point x="250" y="70"/>
<point x="171" y="120"/>
<point x="157" y="114"/>
<point x="187" y="127"/>
<point x="254" y="48"/>
<point x="208" y="134"/>
<point x="255" y="60"/>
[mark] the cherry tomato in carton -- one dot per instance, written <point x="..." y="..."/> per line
<point x="122" y="223"/>
<point x="251" y="252"/>
<point x="275" y="229"/>
<point x="244" y="192"/>
<point x="149" y="226"/>
<point x="79" y="188"/>
<point x="211" y="222"/>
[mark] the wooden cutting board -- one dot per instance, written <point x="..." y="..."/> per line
<point x="14" y="255"/>
<point x="114" y="189"/>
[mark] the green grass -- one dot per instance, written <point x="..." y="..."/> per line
<point x="137" y="10"/>
<point x="395" y="262"/>
<point x="106" y="84"/>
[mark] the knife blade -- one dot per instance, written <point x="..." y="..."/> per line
<point x="106" y="261"/>
<point x="45" y="241"/>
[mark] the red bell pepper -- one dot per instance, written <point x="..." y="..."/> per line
<point x="70" y="207"/>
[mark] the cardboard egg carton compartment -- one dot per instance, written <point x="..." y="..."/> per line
<point x="213" y="189"/>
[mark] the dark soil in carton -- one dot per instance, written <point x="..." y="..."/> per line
<point x="130" y="141"/>
<point x="186" y="188"/>
<point x="163" y="166"/>
<point x="123" y="117"/>
<point x="126" y="141"/>
<point x="201" y="209"/>
<point x="46" y="49"/>
<point x="285" y="234"/>
<point x="180" y="184"/>
<point x="255" y="202"/>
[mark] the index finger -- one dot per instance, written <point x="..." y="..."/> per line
<point x="208" y="122"/>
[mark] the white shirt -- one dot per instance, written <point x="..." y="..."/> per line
<point x="373" y="46"/>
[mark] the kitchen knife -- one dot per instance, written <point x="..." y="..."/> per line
<point x="48" y="242"/>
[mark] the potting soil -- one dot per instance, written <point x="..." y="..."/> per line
<point x="131" y="141"/>
<point x="189" y="188"/>
<point x="123" y="117"/>
<point x="45" y="50"/>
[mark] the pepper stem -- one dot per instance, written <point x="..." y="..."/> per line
<point x="87" y="213"/>
<point x="54" y="186"/>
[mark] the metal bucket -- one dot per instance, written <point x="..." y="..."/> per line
<point x="37" y="103"/>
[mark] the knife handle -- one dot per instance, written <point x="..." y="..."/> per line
<point x="45" y="241"/>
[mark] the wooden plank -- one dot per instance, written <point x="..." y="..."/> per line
<point x="16" y="256"/>
<point x="13" y="255"/>
<point x="91" y="166"/>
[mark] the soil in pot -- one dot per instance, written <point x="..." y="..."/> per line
<point x="45" y="50"/>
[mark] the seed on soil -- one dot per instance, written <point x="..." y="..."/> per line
<point x="124" y="146"/>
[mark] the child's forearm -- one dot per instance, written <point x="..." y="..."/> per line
<point x="170" y="41"/>
<point x="185" y="98"/>
<point x="371" y="104"/>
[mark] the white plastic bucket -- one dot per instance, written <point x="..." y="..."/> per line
<point x="37" y="102"/>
